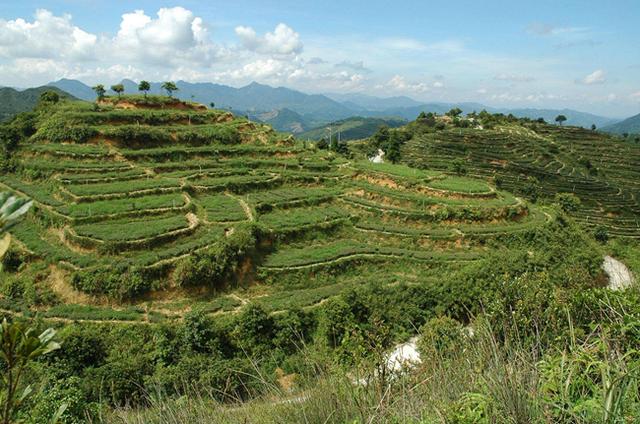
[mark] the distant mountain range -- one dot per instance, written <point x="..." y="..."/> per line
<point x="293" y="111"/>
<point x="629" y="126"/>
<point x="14" y="101"/>
<point x="252" y="99"/>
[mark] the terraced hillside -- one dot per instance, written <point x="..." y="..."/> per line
<point x="170" y="205"/>
<point x="538" y="159"/>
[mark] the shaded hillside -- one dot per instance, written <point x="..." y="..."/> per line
<point x="628" y="126"/>
<point x="284" y="120"/>
<point x="14" y="101"/>
<point x="351" y="129"/>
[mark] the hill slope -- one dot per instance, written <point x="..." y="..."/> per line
<point x="354" y="128"/>
<point x="13" y="101"/>
<point x="629" y="126"/>
<point x="284" y="120"/>
<point x="154" y="194"/>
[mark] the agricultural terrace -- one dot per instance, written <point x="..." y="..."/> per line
<point x="539" y="160"/>
<point x="157" y="203"/>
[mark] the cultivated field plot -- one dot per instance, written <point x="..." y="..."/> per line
<point x="147" y="202"/>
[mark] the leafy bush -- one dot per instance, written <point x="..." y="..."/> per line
<point x="441" y="337"/>
<point x="569" y="202"/>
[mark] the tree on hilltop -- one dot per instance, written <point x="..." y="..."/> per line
<point x="428" y="119"/>
<point x="455" y="112"/>
<point x="144" y="86"/>
<point x="118" y="89"/>
<point x="100" y="91"/>
<point x="560" y="119"/>
<point x="169" y="87"/>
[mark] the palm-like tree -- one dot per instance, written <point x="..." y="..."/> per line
<point x="118" y="88"/>
<point x="12" y="208"/>
<point x="144" y="86"/>
<point x="19" y="343"/>
<point x="100" y="91"/>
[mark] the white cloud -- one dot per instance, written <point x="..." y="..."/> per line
<point x="48" y="36"/>
<point x="482" y="91"/>
<point x="174" y="36"/>
<point x="398" y="43"/>
<point x="564" y="37"/>
<point x="411" y="45"/>
<point x="544" y="29"/>
<point x="438" y="84"/>
<point x="356" y="66"/>
<point x="596" y="77"/>
<point x="316" y="61"/>
<point x="282" y="41"/>
<point x="636" y="95"/>
<point x="513" y="78"/>
<point x="399" y="83"/>
<point x="510" y="97"/>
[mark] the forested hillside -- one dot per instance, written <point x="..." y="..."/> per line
<point x="14" y="101"/>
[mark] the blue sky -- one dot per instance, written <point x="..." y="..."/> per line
<point x="579" y="54"/>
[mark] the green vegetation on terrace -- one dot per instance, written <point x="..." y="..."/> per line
<point x="221" y="208"/>
<point x="345" y="249"/>
<point x="401" y="195"/>
<point x="460" y="185"/>
<point x="118" y="187"/>
<point x="132" y="229"/>
<point x="293" y="219"/>
<point x="397" y="170"/>
<point x="123" y="206"/>
<point x="281" y="197"/>
<point x="97" y="177"/>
